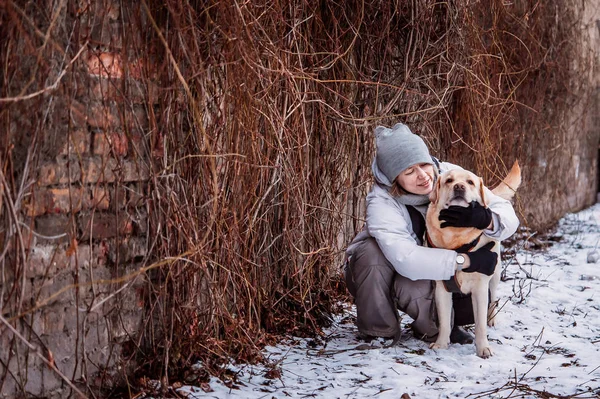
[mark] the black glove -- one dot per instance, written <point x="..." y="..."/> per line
<point x="474" y="215"/>
<point x="483" y="260"/>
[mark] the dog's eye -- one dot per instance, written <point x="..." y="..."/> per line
<point x="470" y="182"/>
<point x="450" y="180"/>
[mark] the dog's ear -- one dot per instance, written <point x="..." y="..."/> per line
<point x="482" y="193"/>
<point x="434" y="194"/>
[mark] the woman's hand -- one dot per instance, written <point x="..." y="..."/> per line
<point x="482" y="260"/>
<point x="474" y="215"/>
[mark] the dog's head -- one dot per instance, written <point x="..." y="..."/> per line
<point x="457" y="187"/>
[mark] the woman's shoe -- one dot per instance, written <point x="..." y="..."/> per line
<point x="460" y="336"/>
<point x="423" y="337"/>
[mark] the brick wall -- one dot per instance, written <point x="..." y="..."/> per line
<point x="85" y="224"/>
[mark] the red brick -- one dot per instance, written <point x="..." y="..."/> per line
<point x="140" y="222"/>
<point x="141" y="93"/>
<point x="77" y="142"/>
<point x="133" y="92"/>
<point x="103" y="90"/>
<point x="118" y="195"/>
<point x="59" y="173"/>
<point x="49" y="174"/>
<point x="109" y="170"/>
<point x="106" y="30"/>
<point x="138" y="119"/>
<point x="135" y="171"/>
<point x="99" y="198"/>
<point x="103" y="225"/>
<point x="97" y="170"/>
<point x="105" y="64"/>
<point x="137" y="195"/>
<point x="129" y="249"/>
<point x="77" y="114"/>
<point x="109" y="116"/>
<point x="96" y="116"/>
<point x="65" y="200"/>
<point x="115" y="144"/>
<point x="84" y="256"/>
<point x="104" y="117"/>
<point x="137" y="148"/>
<point x="37" y="203"/>
<point x="53" y="228"/>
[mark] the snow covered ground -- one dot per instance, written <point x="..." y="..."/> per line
<point x="546" y="341"/>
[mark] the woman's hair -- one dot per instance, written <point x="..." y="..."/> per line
<point x="397" y="190"/>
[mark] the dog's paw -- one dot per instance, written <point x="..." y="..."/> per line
<point x="491" y="322"/>
<point x="485" y="352"/>
<point x="438" y="345"/>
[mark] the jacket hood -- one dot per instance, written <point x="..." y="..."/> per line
<point x="380" y="177"/>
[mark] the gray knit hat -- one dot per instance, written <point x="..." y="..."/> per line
<point x="397" y="149"/>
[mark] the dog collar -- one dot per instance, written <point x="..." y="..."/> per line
<point x="452" y="285"/>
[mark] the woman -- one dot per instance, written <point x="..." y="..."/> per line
<point x="387" y="267"/>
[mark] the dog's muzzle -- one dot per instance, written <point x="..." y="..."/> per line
<point x="459" y="191"/>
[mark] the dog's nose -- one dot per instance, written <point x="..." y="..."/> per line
<point x="460" y="187"/>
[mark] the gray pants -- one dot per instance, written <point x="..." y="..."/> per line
<point x="378" y="290"/>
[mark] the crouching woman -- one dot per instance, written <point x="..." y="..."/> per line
<point x="387" y="266"/>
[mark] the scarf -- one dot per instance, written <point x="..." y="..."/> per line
<point x="419" y="202"/>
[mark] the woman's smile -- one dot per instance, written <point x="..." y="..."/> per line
<point x="426" y="183"/>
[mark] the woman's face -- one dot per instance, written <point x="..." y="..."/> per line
<point x="418" y="179"/>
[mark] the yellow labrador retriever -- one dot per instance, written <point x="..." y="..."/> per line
<point x="461" y="187"/>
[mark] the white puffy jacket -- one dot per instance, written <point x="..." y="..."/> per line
<point x="388" y="221"/>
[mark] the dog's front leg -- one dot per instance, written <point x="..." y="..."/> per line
<point x="480" y="311"/>
<point x="443" y="302"/>
<point x="493" y="306"/>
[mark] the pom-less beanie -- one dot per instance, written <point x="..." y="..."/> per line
<point x="398" y="149"/>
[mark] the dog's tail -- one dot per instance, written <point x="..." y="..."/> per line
<point x="507" y="188"/>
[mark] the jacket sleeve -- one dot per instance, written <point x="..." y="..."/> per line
<point x="505" y="221"/>
<point x="388" y="225"/>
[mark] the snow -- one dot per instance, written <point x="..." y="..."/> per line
<point x="546" y="339"/>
